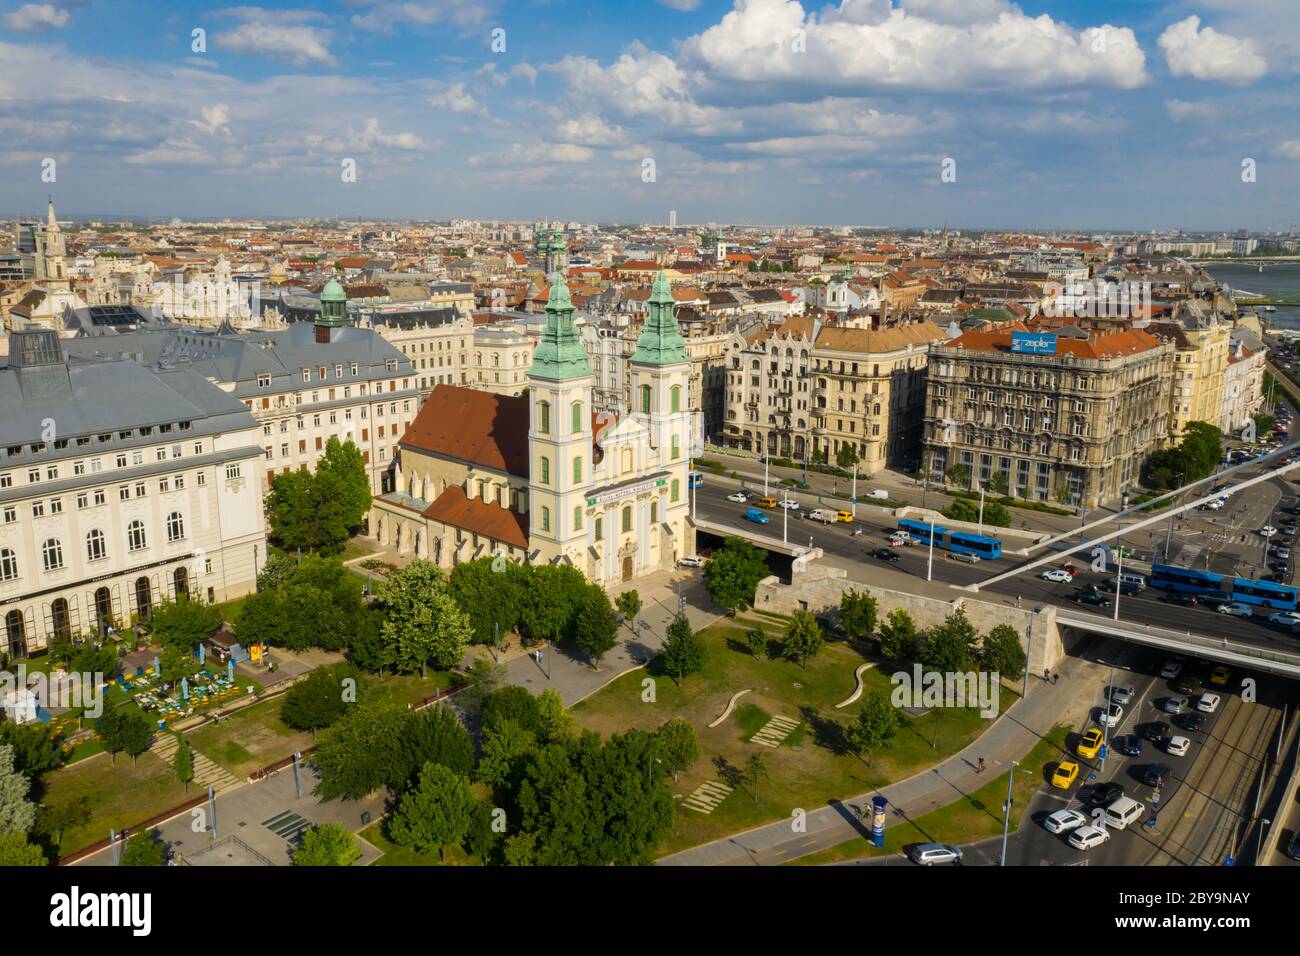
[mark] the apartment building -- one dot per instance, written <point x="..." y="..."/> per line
<point x="1243" y="381"/>
<point x="1067" y="417"/>
<point x="769" y="389"/>
<point x="121" y="485"/>
<point x="1201" y="347"/>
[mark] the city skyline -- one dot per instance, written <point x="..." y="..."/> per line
<point x="1053" y="115"/>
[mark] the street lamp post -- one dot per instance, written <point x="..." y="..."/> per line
<point x="1169" y="532"/>
<point x="766" y="457"/>
<point x="1119" y="574"/>
<point x="854" y="494"/>
<point x="785" y="521"/>
<point x="980" y="529"/>
<point x="1105" y="709"/>
<point x="1006" y="813"/>
<point x="929" y="565"/>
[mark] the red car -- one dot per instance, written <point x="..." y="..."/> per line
<point x="1070" y="569"/>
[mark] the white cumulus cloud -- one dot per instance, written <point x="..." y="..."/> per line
<point x="1207" y="54"/>
<point x="36" y="18"/>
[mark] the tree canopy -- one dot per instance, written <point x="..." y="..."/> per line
<point x="733" y="573"/>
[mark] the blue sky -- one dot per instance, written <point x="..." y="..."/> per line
<point x="1053" y="113"/>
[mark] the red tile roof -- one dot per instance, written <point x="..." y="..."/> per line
<point x="473" y="426"/>
<point x="1096" y="346"/>
<point x="479" y="517"/>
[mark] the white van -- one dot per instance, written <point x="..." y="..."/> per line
<point x="1122" y="811"/>
<point x="1133" y="580"/>
<point x="824" y="515"/>
<point x="879" y="493"/>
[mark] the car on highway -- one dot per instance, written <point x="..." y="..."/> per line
<point x="691" y="561"/>
<point x="896" y="542"/>
<point x="928" y="854"/>
<point x="1156" y="775"/>
<point x="1111" y="715"/>
<point x="1220" y="675"/>
<point x="1063" y="821"/>
<point x="963" y="557"/>
<point x="844" y="516"/>
<point x="1236" y="609"/>
<point x="756" y="516"/>
<point x="1171" y="668"/>
<point x="1178" y="746"/>
<point x="1130" y="745"/>
<point x="885" y="554"/>
<point x="1066" y="772"/>
<point x="1189" y="686"/>
<point x="1175" y="705"/>
<point x="1104" y="794"/>
<point x="900" y="533"/>
<point x="1267" y="531"/>
<point x="1085" y="838"/>
<point x="766" y="502"/>
<point x="1214" y="599"/>
<point x="1122" y="694"/>
<point x="1289" y="618"/>
<point x="1208" y="703"/>
<point x="1089" y="744"/>
<point x="789" y="504"/>
<point x="1192" y="722"/>
<point x="1069" y="569"/>
<point x="1091" y="598"/>
<point x="1180" y="598"/>
<point x="738" y="496"/>
<point x="1057" y="576"/>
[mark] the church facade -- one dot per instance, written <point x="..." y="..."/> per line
<point x="545" y="478"/>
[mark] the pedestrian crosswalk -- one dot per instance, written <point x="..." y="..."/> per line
<point x="774" y="731"/>
<point x="706" y="797"/>
<point x="288" y="824"/>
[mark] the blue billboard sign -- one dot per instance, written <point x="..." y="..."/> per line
<point x="1034" y="343"/>
<point x="878" y="805"/>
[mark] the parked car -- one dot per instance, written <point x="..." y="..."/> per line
<point x="1189" y="686"/>
<point x="1175" y="705"/>
<point x="1089" y="744"/>
<point x="1130" y="745"/>
<point x="691" y="561"/>
<point x="1104" y="793"/>
<point x="1208" y="703"/>
<point x="1111" y="715"/>
<point x="1192" y="722"/>
<point x="1172" y="668"/>
<point x="1178" y="746"/>
<point x="1066" y="772"/>
<point x="1063" y="821"/>
<point x="1220" y="675"/>
<point x="756" y="516"/>
<point x="1156" y="775"/>
<point x="886" y="554"/>
<point x="928" y="854"/>
<point x="1057" y="576"/>
<point x="1085" y="838"/>
<point x="1267" y="531"/>
<point x="1122" y="694"/>
<point x="1236" y="609"/>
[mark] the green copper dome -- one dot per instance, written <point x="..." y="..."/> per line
<point x="661" y="341"/>
<point x="333" y="292"/>
<point x="559" y="355"/>
<point x="333" y="305"/>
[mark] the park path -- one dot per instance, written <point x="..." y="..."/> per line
<point x="1012" y="736"/>
<point x="206" y="773"/>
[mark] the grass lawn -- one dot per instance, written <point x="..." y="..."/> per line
<point x="119" y="794"/>
<point x="249" y="739"/>
<point x="395" y="855"/>
<point x="968" y="819"/>
<point x="356" y="548"/>
<point x="811" y="767"/>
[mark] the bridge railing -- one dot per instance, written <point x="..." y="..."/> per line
<point x="1217" y="647"/>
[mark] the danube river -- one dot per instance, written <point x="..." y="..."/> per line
<point x="1276" y="279"/>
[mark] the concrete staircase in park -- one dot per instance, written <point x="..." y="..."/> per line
<point x="206" y="773"/>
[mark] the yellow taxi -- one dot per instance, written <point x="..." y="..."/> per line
<point x="844" y="516"/>
<point x="1089" y="744"/>
<point x="1066" y="772"/>
<point x="1220" y="675"/>
<point x="766" y="502"/>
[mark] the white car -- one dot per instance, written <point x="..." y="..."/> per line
<point x="1175" y="705"/>
<point x="1085" y="838"/>
<point x="788" y="503"/>
<point x="1171" y="669"/>
<point x="691" y="562"/>
<point x="739" y="497"/>
<point x="1289" y="618"/>
<point x="1208" y="703"/>
<point x="1267" y="531"/>
<point x="1236" y="609"/>
<point x="1057" y="576"/>
<point x="1063" y="821"/>
<point x="1178" y="746"/>
<point x="1111" y="716"/>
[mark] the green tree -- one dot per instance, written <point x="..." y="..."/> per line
<point x="733" y="573"/>
<point x="512" y="702"/>
<point x="109" y="728"/>
<point x="520" y="849"/>
<point x="144" y="849"/>
<point x="996" y="515"/>
<point x="184" y="624"/>
<point x="290" y="506"/>
<point x="506" y="745"/>
<point x="421" y="619"/>
<point x="677" y="744"/>
<point x="553" y="719"/>
<point x="136" y="732"/>
<point x="183" y="763"/>
<point x="629" y="605"/>
<point x="997" y="483"/>
<point x="958" y="475"/>
<point x="858" y="614"/>
<point x="265" y="619"/>
<point x="368" y="648"/>
<point x="493" y="599"/>
<point x="1002" y="653"/>
<point x="327" y="844"/>
<point x="435" y="812"/>
<point x="361" y="751"/>
<point x="323" y="603"/>
<point x="757" y="639"/>
<point x="876" y="724"/>
<point x="344" y="470"/>
<point x="803" y="638"/>
<point x="16" y="851"/>
<point x="482" y="678"/>
<point x="596" y="626"/>
<point x="683" y="652"/>
<point x="898" y="637"/>
<point x="846" y="457"/>
<point x="17" y="813"/>
<point x="35" y="747"/>
<point x="950" y="647"/>
<point x="53" y="820"/>
<point x="556" y="594"/>
<point x="755" y="772"/>
<point x="321" y="699"/>
<point x="435" y="735"/>
<point x="962" y="510"/>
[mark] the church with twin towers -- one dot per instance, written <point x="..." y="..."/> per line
<point x="542" y="477"/>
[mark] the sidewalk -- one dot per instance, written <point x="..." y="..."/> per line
<point x="1012" y="736"/>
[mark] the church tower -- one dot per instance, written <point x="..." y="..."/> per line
<point x="559" y="436"/>
<point x="557" y="253"/>
<point x="56" y="267"/>
<point x="333" y="311"/>
<point x="720" y="247"/>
